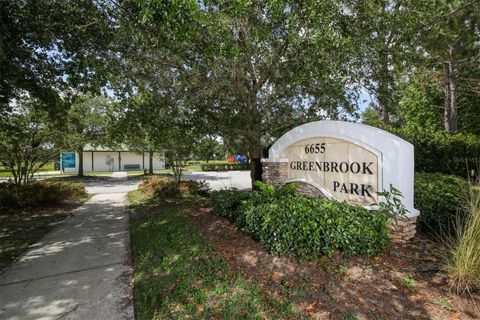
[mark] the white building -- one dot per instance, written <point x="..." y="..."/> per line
<point x="100" y="159"/>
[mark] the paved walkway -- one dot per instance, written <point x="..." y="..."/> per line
<point x="79" y="270"/>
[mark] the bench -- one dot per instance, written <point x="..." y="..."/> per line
<point x="131" y="167"/>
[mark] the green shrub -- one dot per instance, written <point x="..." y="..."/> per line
<point x="227" y="203"/>
<point x="442" y="152"/>
<point x="225" y="167"/>
<point x="311" y="227"/>
<point x="440" y="200"/>
<point x="167" y="187"/>
<point x="269" y="192"/>
<point x="42" y="192"/>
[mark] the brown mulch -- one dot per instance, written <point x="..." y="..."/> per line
<point x="336" y="288"/>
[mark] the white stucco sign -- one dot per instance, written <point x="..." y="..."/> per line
<point x="347" y="161"/>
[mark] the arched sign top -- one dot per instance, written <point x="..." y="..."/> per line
<point x="351" y="161"/>
<point x="364" y="135"/>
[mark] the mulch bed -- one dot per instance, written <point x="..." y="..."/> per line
<point x="335" y="288"/>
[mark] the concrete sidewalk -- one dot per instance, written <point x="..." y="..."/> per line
<point x="79" y="270"/>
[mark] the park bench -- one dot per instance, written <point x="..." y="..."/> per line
<point x="131" y="167"/>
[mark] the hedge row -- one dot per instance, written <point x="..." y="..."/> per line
<point x="310" y="227"/>
<point x="441" y="201"/>
<point x="286" y="222"/>
<point x="43" y="192"/>
<point x="225" y="167"/>
<point x="442" y="152"/>
<point x="307" y="227"/>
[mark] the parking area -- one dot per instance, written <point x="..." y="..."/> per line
<point x="223" y="179"/>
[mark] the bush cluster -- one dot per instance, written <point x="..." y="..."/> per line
<point x="225" y="167"/>
<point x="167" y="187"/>
<point x="42" y="192"/>
<point x="442" y="152"/>
<point x="310" y="227"/>
<point x="159" y="186"/>
<point x="286" y="222"/>
<point x="440" y="199"/>
<point x="228" y="203"/>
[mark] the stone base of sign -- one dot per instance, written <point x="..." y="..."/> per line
<point x="309" y="190"/>
<point x="405" y="229"/>
<point x="276" y="173"/>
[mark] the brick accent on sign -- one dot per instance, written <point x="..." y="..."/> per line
<point x="276" y="173"/>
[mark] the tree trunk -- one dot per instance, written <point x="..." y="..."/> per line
<point x="256" y="169"/>
<point x="80" y="161"/>
<point x="384" y="115"/>
<point x="450" y="112"/>
<point x="143" y="163"/>
<point x="383" y="92"/>
<point x="150" y="162"/>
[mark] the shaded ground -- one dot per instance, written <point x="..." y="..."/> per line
<point x="20" y="228"/>
<point x="404" y="283"/>
<point x="179" y="275"/>
<point x="79" y="270"/>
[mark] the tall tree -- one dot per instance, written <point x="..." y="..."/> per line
<point x="244" y="61"/>
<point x="47" y="45"/>
<point x="162" y="122"/>
<point x="386" y="35"/>
<point x="451" y="42"/>
<point x="138" y="117"/>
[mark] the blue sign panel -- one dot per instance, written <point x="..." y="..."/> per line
<point x="68" y="160"/>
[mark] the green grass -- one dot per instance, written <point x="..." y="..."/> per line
<point x="75" y="178"/>
<point x="50" y="167"/>
<point x="6" y="173"/>
<point x="178" y="275"/>
<point x="462" y="252"/>
<point x="200" y="162"/>
<point x="406" y="282"/>
<point x="137" y="198"/>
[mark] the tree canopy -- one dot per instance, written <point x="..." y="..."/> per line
<point x="243" y="71"/>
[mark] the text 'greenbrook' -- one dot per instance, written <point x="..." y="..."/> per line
<point x="340" y="167"/>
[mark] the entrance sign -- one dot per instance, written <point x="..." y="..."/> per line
<point x="342" y="160"/>
<point x="338" y="168"/>
<point x="68" y="160"/>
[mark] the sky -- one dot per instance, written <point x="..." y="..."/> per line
<point x="364" y="99"/>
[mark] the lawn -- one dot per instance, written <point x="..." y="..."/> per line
<point x="190" y="263"/>
<point x="193" y="166"/>
<point x="179" y="275"/>
<point x="48" y="167"/>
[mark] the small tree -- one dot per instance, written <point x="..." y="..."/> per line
<point x="87" y="121"/>
<point x="161" y="120"/>
<point x="178" y="146"/>
<point x="27" y="141"/>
